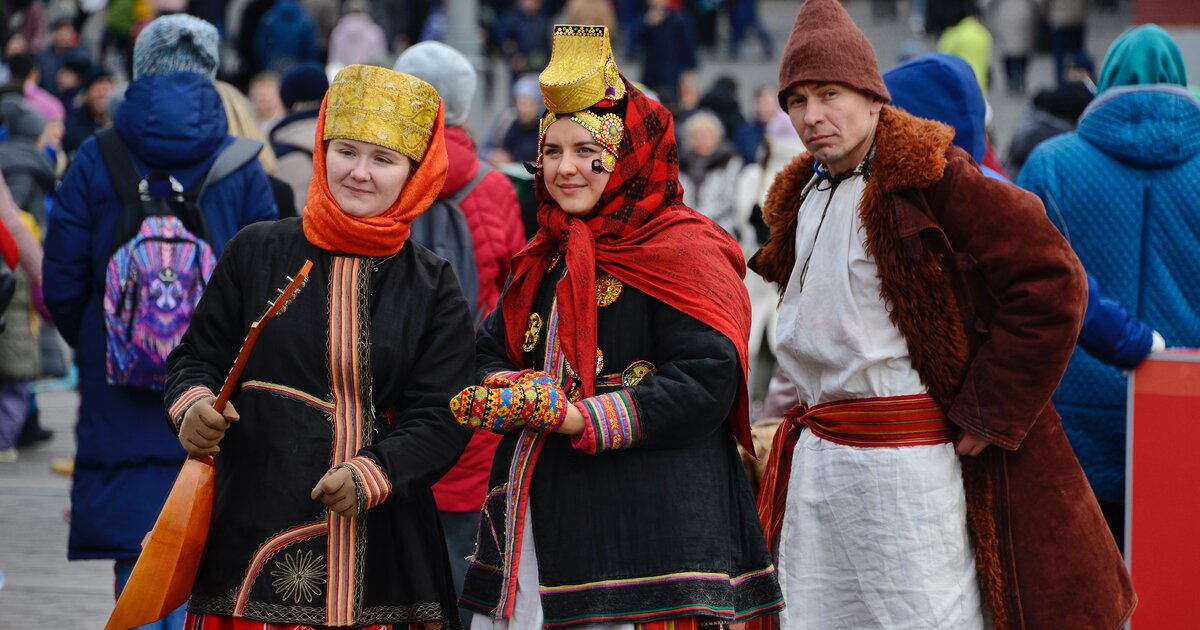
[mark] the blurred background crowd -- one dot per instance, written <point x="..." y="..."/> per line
<point x="710" y="61"/>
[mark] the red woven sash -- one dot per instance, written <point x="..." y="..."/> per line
<point x="868" y="422"/>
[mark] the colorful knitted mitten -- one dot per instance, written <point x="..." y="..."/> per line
<point x="533" y="403"/>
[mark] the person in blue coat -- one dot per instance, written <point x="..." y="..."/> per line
<point x="943" y="87"/>
<point x="172" y="121"/>
<point x="1123" y="190"/>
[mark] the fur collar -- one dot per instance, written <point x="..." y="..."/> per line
<point x="910" y="153"/>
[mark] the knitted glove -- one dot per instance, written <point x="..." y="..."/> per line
<point x="516" y="379"/>
<point x="541" y="407"/>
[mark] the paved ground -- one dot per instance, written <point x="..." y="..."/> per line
<point x="41" y="589"/>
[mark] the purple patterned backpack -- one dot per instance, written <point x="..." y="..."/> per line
<point x="152" y="285"/>
<point x="161" y="262"/>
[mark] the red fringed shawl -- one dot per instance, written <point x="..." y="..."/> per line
<point x="643" y="234"/>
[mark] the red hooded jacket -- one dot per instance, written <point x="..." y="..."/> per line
<point x="494" y="219"/>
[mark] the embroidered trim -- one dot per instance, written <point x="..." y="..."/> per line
<point x="299" y="576"/>
<point x="373" y="483"/>
<point x="520" y="475"/>
<point x="290" y="393"/>
<point x="728" y="612"/>
<point x="185" y="402"/>
<point x="610" y="422"/>
<point x="609" y="380"/>
<point x="352" y="417"/>
<point x="269" y="548"/>
<point x="658" y="579"/>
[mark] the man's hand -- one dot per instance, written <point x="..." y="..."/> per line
<point x="969" y="444"/>
<point x="336" y="490"/>
<point x="202" y="427"/>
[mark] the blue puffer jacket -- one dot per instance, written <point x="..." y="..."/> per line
<point x="943" y="87"/>
<point x="1124" y="189"/>
<point x="127" y="456"/>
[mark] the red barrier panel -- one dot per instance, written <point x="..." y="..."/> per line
<point x="1162" y="491"/>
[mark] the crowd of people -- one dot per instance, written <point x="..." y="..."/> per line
<point x="531" y="397"/>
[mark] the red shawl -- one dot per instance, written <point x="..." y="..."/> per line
<point x="643" y="234"/>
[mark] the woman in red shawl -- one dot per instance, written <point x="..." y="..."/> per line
<point x="615" y="368"/>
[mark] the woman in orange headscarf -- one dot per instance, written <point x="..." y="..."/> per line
<point x="323" y="513"/>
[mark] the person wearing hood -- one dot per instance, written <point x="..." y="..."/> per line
<point x="927" y="313"/>
<point x="941" y="87"/>
<point x="28" y="170"/>
<point x="1123" y="187"/>
<point x="494" y="220"/>
<point x="346" y="390"/>
<point x="285" y="37"/>
<point x="171" y="121"/>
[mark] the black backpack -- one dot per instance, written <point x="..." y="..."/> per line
<point x="443" y="230"/>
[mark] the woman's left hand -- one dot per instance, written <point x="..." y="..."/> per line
<point x="337" y="491"/>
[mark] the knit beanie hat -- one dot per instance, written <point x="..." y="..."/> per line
<point x="303" y="83"/>
<point x="176" y="43"/>
<point x="1142" y="56"/>
<point x="826" y="47"/>
<point x="22" y="121"/>
<point x="448" y="71"/>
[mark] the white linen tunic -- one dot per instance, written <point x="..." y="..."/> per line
<point x="871" y="537"/>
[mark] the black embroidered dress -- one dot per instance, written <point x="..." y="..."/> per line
<point x="357" y="370"/>
<point x="646" y="516"/>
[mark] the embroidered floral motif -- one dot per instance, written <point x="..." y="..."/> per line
<point x="299" y="576"/>
<point x="637" y="371"/>
<point x="532" y="333"/>
<point x="608" y="289"/>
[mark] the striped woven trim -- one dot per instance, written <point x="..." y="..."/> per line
<point x="881" y="422"/>
<point x="610" y="422"/>
<point x="375" y="486"/>
<point x="348" y="414"/>
<point x="185" y="401"/>
<point x="727" y="612"/>
<point x="264" y="553"/>
<point x="289" y="393"/>
<point x="683" y="576"/>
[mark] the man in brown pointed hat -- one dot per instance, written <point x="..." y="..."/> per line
<point x="928" y="313"/>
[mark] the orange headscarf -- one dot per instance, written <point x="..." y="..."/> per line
<point x="328" y="227"/>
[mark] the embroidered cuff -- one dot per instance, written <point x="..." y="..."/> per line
<point x="373" y="486"/>
<point x="185" y="402"/>
<point x="610" y="422"/>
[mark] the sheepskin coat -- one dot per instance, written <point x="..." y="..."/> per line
<point x="989" y="297"/>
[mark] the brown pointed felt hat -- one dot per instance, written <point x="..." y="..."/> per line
<point x="827" y="47"/>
